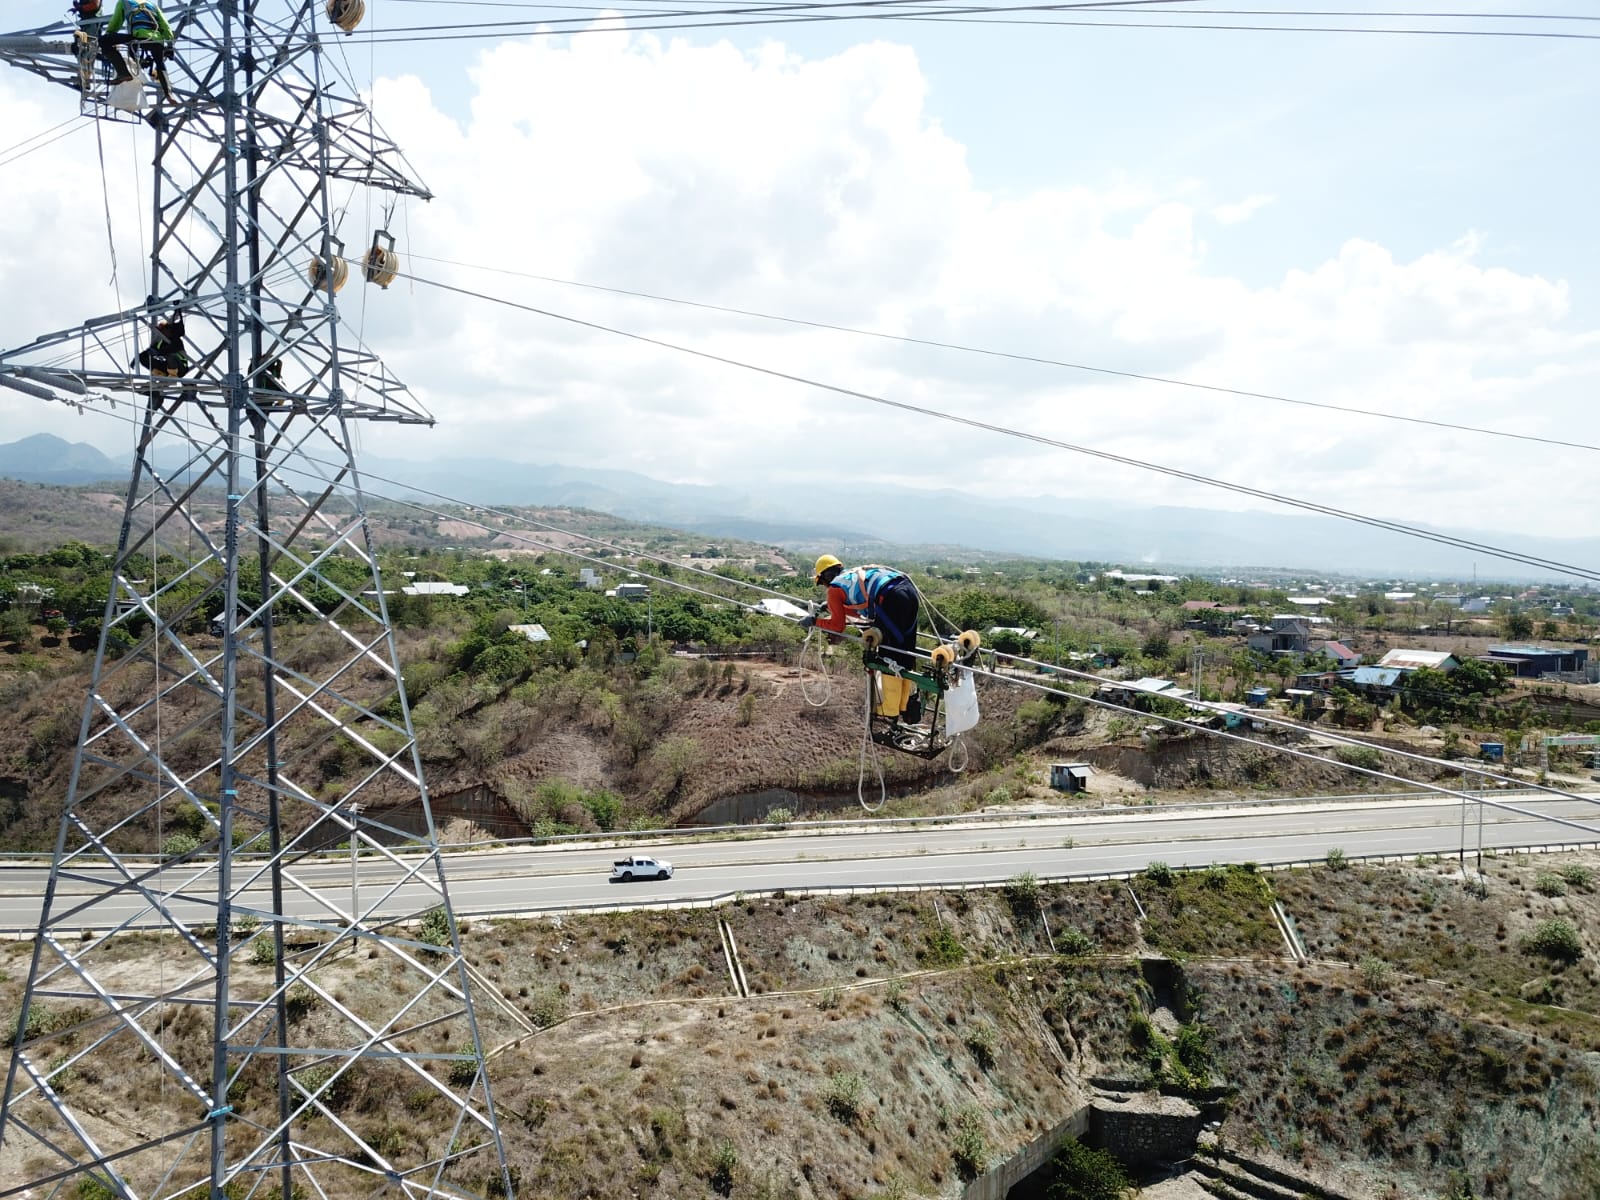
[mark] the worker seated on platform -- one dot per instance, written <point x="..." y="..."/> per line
<point x="879" y="596"/>
<point x="270" y="391"/>
<point x="88" y="15"/>
<point x="167" y="354"/>
<point x="145" y="26"/>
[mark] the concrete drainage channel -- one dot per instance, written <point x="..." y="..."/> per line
<point x="1156" y="1136"/>
<point x="730" y="956"/>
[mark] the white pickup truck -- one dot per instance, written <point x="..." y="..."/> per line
<point x="637" y="866"/>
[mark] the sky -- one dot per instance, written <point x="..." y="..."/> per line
<point x="1397" y="223"/>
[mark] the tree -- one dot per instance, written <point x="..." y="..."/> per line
<point x="1516" y="626"/>
<point x="15" y="627"/>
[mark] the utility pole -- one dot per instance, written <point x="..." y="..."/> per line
<point x="244" y="503"/>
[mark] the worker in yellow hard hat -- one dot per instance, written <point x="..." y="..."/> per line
<point x="886" y="598"/>
<point x="874" y="595"/>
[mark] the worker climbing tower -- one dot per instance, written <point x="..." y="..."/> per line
<point x="247" y="979"/>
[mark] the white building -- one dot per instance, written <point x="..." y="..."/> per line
<point x="777" y="606"/>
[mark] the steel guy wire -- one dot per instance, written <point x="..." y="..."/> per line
<point x="1312" y="506"/>
<point x="14" y="154"/>
<point x="1012" y="356"/>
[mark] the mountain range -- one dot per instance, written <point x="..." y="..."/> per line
<point x="896" y="517"/>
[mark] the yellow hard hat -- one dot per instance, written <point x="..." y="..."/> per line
<point x="824" y="563"/>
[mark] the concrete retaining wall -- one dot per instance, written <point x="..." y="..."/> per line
<point x="995" y="1183"/>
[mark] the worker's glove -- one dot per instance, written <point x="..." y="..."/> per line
<point x="807" y="621"/>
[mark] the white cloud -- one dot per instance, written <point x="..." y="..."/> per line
<point x="825" y="188"/>
<point x="1241" y="211"/>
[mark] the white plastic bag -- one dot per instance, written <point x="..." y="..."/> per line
<point x="128" y="96"/>
<point x="961" y="704"/>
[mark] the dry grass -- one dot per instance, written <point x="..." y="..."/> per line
<point x="940" y="1017"/>
<point x="1423" y="921"/>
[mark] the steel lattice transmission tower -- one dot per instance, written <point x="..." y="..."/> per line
<point x="257" y="1012"/>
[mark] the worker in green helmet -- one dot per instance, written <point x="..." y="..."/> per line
<point x="133" y="22"/>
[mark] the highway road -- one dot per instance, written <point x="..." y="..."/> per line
<point x="552" y="878"/>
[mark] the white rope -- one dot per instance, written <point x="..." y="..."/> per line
<point x="869" y="746"/>
<point x="957" y="761"/>
<point x="816" y="695"/>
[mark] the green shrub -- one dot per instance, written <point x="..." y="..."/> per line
<point x="970" y="1149"/>
<point x="435" y="928"/>
<point x="943" y="949"/>
<point x="1359" y="756"/>
<point x="1376" y="974"/>
<point x="179" y="844"/>
<point x="843" y="1095"/>
<point x="41" y="1020"/>
<point x="90" y="1188"/>
<point x="1074" y="943"/>
<point x="983" y="1041"/>
<point x="605" y="808"/>
<point x="1079" y="1173"/>
<point x="1548" y="883"/>
<point x="1556" y="938"/>
<point x="829" y="998"/>
<point x="299" y="1000"/>
<point x="724" y="1162"/>
<point x="1160" y="874"/>
<point x="463" y="1071"/>
<point x="1193" y="1051"/>
<point x="1336" y="860"/>
<point x="1022" y="894"/>
<point x="667" y="1130"/>
<point x="546" y="1007"/>
<point x="313" y="1078"/>
<point x="1577" y="876"/>
<point x="780" y="817"/>
<point x="895" y="994"/>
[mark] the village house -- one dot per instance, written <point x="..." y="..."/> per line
<point x="1288" y="634"/>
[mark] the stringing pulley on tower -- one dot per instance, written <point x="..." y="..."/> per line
<point x="346" y="14"/>
<point x="317" y="272"/>
<point x="382" y="262"/>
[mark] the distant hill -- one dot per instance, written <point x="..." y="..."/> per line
<point x="45" y="458"/>
<point x="880" y="519"/>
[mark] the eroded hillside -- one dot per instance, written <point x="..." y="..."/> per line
<point x="899" y="1045"/>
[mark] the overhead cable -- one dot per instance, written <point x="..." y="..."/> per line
<point x="932" y="11"/>
<point x="1268" y="719"/>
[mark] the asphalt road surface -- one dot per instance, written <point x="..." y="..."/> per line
<point x="553" y="878"/>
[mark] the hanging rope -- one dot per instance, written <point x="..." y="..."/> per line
<point x="105" y="193"/>
<point x="817" y="694"/>
<point x="868" y="746"/>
